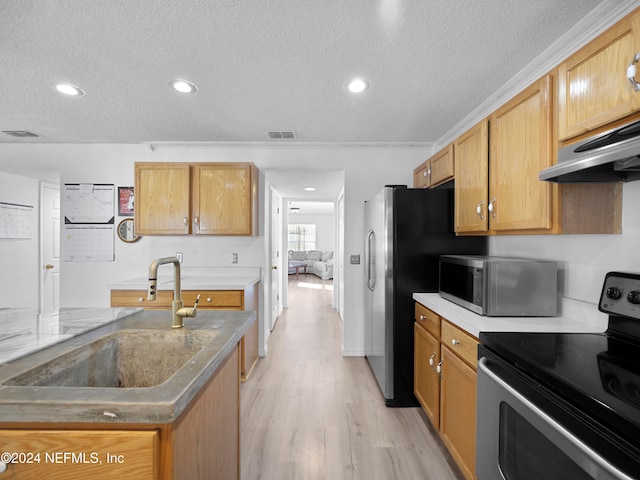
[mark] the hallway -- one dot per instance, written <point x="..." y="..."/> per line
<point x="307" y="412"/>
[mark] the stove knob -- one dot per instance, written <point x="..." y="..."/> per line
<point x="634" y="297"/>
<point x="614" y="293"/>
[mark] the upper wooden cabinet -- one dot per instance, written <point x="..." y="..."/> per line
<point x="593" y="86"/>
<point x="436" y="170"/>
<point x="199" y="198"/>
<point x="521" y="146"/>
<point x="472" y="179"/>
<point x="162" y="198"/>
<point x="504" y="194"/>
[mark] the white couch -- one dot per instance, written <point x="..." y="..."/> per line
<point x="318" y="262"/>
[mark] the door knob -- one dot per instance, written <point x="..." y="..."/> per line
<point x="48" y="266"/>
<point x="275" y="267"/>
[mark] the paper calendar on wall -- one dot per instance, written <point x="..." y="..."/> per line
<point x="16" y="221"/>
<point x="89" y="222"/>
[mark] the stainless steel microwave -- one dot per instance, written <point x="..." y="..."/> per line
<point x="500" y="286"/>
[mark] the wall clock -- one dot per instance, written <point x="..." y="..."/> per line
<point x="126" y="231"/>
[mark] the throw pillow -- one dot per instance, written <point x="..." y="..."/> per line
<point x="314" y="255"/>
<point x="298" y="255"/>
<point x="326" y="256"/>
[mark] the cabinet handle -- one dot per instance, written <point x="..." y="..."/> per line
<point x="422" y="317"/>
<point x="141" y="299"/>
<point x="186" y="220"/>
<point x="432" y="359"/>
<point x="479" y="209"/>
<point x="439" y="368"/>
<point x="455" y="342"/>
<point x="631" y="72"/>
<point x="196" y="220"/>
<point x="491" y="208"/>
<point x="208" y="299"/>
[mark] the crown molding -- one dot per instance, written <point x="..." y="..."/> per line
<point x="595" y="23"/>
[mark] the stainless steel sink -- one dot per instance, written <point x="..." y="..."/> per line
<point x="122" y="359"/>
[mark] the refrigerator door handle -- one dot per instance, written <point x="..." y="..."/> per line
<point x="370" y="260"/>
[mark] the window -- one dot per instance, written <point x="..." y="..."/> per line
<point x="302" y="236"/>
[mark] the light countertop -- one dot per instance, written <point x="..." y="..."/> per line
<point x="24" y="331"/>
<point x="196" y="278"/>
<point x="577" y="317"/>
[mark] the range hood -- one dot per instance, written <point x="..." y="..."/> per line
<point x="612" y="156"/>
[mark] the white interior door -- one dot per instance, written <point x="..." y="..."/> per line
<point x="340" y="257"/>
<point x="50" y="248"/>
<point x="277" y="264"/>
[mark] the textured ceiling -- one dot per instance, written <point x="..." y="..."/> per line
<point x="263" y="65"/>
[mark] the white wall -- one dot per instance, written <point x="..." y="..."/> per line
<point x="324" y="228"/>
<point x="584" y="259"/>
<point x="19" y="257"/>
<point x="367" y="169"/>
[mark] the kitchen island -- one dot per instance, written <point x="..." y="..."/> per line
<point x="184" y="427"/>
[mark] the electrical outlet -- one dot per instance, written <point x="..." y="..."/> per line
<point x="234" y="258"/>
<point x="179" y="256"/>
<point x="354" y="260"/>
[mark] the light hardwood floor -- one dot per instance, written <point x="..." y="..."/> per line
<point x="307" y="412"/>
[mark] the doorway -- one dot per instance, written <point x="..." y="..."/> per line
<point x="49" y="248"/>
<point x="304" y="185"/>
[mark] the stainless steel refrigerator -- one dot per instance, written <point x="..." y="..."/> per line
<point x="407" y="230"/>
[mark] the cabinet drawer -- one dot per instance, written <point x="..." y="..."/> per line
<point x="138" y="298"/>
<point x="215" y="299"/>
<point x="61" y="454"/>
<point x="460" y="342"/>
<point x="428" y="320"/>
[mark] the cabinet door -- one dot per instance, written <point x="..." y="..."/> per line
<point x="161" y="204"/>
<point x="593" y="85"/>
<point x="458" y="411"/>
<point x="471" y="153"/>
<point x="441" y="169"/>
<point x="426" y="380"/>
<point x="421" y="175"/>
<point x="99" y="454"/>
<point x="223" y="199"/>
<point x="521" y="146"/>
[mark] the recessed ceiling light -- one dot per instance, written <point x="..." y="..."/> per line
<point x="358" y="85"/>
<point x="68" y="89"/>
<point x="183" y="86"/>
<point x="310" y="189"/>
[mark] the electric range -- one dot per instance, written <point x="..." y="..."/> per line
<point x="564" y="405"/>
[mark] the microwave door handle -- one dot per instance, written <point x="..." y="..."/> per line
<point x="370" y="260"/>
<point x="610" y="470"/>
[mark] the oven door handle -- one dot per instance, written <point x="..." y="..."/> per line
<point x="564" y="433"/>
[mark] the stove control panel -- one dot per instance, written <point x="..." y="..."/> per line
<point x="621" y="295"/>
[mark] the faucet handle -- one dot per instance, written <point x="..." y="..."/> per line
<point x="195" y="305"/>
<point x="188" y="312"/>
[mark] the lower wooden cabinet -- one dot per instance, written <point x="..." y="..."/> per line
<point x="426" y="379"/>
<point x="203" y="443"/>
<point x="458" y="411"/>
<point x="445" y="376"/>
<point x="95" y="454"/>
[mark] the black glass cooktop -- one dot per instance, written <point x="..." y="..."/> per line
<point x="598" y="372"/>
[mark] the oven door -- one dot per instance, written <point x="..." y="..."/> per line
<point x="518" y="440"/>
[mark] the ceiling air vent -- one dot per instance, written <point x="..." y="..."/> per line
<point x="282" y="135"/>
<point x="19" y="133"/>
